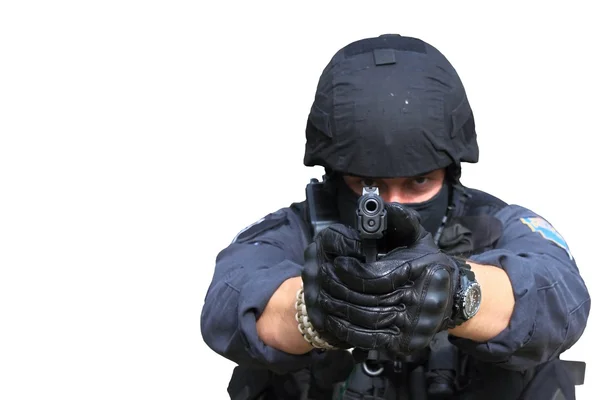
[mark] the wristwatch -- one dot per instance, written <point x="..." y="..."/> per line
<point x="467" y="299"/>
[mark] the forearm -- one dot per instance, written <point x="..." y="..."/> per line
<point x="277" y="326"/>
<point x="497" y="304"/>
<point x="233" y="305"/>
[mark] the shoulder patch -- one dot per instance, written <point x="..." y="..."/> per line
<point x="544" y="228"/>
<point x="263" y="224"/>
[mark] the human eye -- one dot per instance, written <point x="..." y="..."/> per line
<point x="420" y="184"/>
<point x="368" y="182"/>
<point x="421" y="180"/>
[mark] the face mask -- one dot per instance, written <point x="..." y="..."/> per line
<point x="431" y="211"/>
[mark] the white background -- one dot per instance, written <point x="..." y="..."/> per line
<point x="138" y="137"/>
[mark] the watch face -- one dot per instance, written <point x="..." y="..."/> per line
<point x="472" y="300"/>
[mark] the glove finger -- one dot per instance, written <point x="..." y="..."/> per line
<point x="397" y="270"/>
<point x="400" y="269"/>
<point x="409" y="263"/>
<point x="379" y="277"/>
<point x="364" y="298"/>
<point x="372" y="318"/>
<point x="339" y="239"/>
<point x="404" y="225"/>
<point x="361" y="337"/>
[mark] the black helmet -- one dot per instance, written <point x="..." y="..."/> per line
<point x="390" y="106"/>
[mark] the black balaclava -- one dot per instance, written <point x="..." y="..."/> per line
<point x="431" y="211"/>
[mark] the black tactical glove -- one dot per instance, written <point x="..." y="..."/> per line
<point x="398" y="302"/>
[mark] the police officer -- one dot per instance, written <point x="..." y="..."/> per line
<point x="468" y="297"/>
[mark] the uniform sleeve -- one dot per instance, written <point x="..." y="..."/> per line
<point x="552" y="302"/>
<point x="247" y="273"/>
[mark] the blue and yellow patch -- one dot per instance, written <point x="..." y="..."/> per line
<point x="544" y="228"/>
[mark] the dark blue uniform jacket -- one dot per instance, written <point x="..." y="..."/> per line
<point x="550" y="314"/>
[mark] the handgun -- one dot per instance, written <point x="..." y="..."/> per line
<point x="371" y="220"/>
